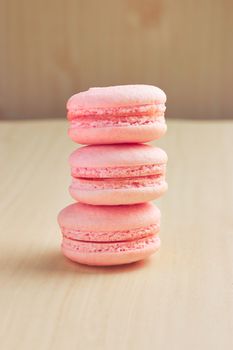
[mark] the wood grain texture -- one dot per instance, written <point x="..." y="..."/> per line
<point x="180" y="299"/>
<point x="52" y="49"/>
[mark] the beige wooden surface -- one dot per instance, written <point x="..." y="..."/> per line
<point x="180" y="299"/>
<point x="50" y="49"/>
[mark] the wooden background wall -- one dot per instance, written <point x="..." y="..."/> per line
<point x="51" y="49"/>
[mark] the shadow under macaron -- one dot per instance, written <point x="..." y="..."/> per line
<point x="51" y="263"/>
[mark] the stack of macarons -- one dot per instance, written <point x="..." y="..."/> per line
<point x="115" y="176"/>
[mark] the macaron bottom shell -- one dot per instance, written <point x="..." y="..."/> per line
<point x="118" y="196"/>
<point x="114" y="135"/>
<point x="110" y="253"/>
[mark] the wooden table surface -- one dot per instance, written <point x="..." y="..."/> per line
<point x="182" y="298"/>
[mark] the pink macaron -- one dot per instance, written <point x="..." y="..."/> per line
<point x="109" y="235"/>
<point x="117" y="114"/>
<point x="117" y="174"/>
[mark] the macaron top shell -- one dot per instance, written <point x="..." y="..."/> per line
<point x="108" y="218"/>
<point x="116" y="96"/>
<point x="117" y="155"/>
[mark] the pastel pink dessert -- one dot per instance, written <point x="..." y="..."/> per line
<point x="117" y="174"/>
<point x="101" y="235"/>
<point x="117" y="114"/>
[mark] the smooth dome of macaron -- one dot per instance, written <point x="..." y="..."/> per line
<point x="117" y="174"/>
<point x="109" y="235"/>
<point x="117" y="114"/>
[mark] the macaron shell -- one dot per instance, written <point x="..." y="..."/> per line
<point x="113" y="256"/>
<point x="118" y="196"/>
<point x="80" y="216"/>
<point x="117" y="155"/>
<point x="111" y="135"/>
<point x="121" y="95"/>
